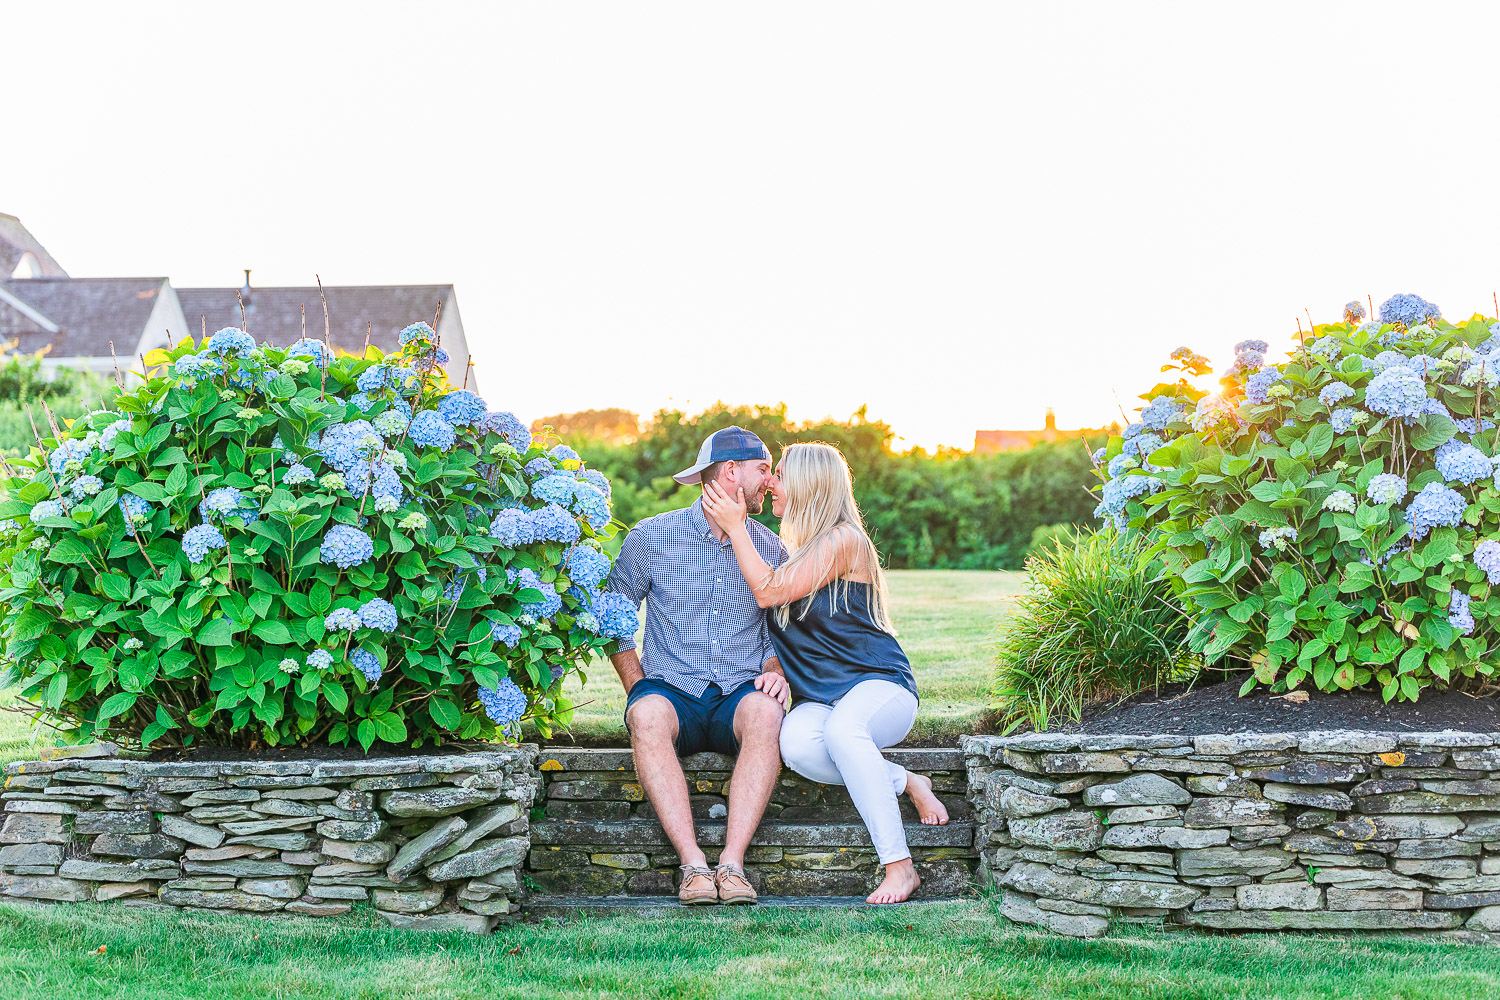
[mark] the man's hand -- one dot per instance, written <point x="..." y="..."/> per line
<point x="775" y="685"/>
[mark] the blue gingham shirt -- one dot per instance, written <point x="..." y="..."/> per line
<point x="702" y="623"/>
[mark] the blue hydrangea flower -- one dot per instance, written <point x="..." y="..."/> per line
<point x="343" y="446"/>
<point x="198" y="541"/>
<point x="1436" y="506"/>
<point x="389" y="493"/>
<point x="1258" y="346"/>
<point x="554" y="524"/>
<point x="1384" y="360"/>
<point x="1408" y="310"/>
<point x="1459" y="615"/>
<point x="298" y="473"/>
<point x="586" y="566"/>
<point x="342" y="620"/>
<point x="1278" y="539"/>
<point x="346" y="546"/>
<point x="556" y="488"/>
<point x="512" y="528"/>
<point x="1161" y="411"/>
<point x="1099" y="454"/>
<point x="1340" y="500"/>
<point x="562" y="453"/>
<point x="1466" y="424"/>
<point x="133" y="507"/>
<point x="1326" y="347"/>
<point x="1333" y="392"/>
<point x="1487" y="558"/>
<point x="1463" y="463"/>
<point x="392" y="423"/>
<point x="363" y="401"/>
<point x="1396" y="392"/>
<point x="1133" y="430"/>
<point x="539" y="467"/>
<point x="550" y="602"/>
<point x="504" y="703"/>
<point x="1482" y="372"/>
<point x="1433" y="406"/>
<point x="461" y="408"/>
<point x="108" y="435"/>
<point x="366" y="663"/>
<point x="1121" y="464"/>
<point x="418" y="332"/>
<point x="1117" y="492"/>
<point x="320" y="659"/>
<point x="598" y="481"/>
<point x="87" y="486"/>
<point x="591" y="505"/>
<point x="45" y="509"/>
<point x="224" y="500"/>
<point x="379" y="613"/>
<point x="455" y="590"/>
<point x="616" y="614"/>
<point x="1387" y="487"/>
<point x="1354" y="311"/>
<point x="1141" y="445"/>
<point x="429" y="430"/>
<point x="1343" y="418"/>
<point x="373" y="378"/>
<point x="309" y="348"/>
<point x="68" y="450"/>
<point x="507" y="426"/>
<point x="406" y="381"/>
<point x="506" y="635"/>
<point x="230" y="340"/>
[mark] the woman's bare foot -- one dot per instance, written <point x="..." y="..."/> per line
<point x="900" y="882"/>
<point x="929" y="807"/>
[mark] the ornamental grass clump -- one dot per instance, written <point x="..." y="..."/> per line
<point x="1331" y="518"/>
<point x="1098" y="622"/>
<point x="263" y="547"/>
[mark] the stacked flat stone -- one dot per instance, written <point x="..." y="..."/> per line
<point x="600" y="837"/>
<point x="1251" y="831"/>
<point x="434" y="842"/>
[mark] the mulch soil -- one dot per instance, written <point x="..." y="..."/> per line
<point x="1217" y="708"/>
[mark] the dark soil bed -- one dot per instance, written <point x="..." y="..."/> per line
<point x="1217" y="708"/>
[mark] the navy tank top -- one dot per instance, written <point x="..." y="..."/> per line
<point x="833" y="647"/>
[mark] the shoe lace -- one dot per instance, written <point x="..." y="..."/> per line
<point x="730" y="871"/>
<point x="690" y="872"/>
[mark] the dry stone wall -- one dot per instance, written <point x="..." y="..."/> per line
<point x="432" y="842"/>
<point x="1252" y="831"/>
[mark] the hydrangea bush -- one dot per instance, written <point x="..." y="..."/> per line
<point x="1332" y="518"/>
<point x="270" y="546"/>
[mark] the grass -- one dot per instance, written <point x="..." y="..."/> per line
<point x="947" y="620"/>
<point x="961" y="949"/>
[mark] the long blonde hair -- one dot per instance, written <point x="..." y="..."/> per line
<point x="820" y="501"/>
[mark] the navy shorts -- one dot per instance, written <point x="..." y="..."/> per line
<point x="703" y="723"/>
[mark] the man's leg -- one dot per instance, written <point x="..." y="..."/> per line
<point x="653" y="734"/>
<point x="757" y="726"/>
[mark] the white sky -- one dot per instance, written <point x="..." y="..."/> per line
<point x="958" y="214"/>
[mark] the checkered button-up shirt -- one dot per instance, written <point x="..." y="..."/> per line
<point x="702" y="623"/>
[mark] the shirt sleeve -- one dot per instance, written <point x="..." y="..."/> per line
<point x="631" y="575"/>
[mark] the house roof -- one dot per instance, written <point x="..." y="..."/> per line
<point x="274" y="315"/>
<point x="85" y="314"/>
<point x="15" y="241"/>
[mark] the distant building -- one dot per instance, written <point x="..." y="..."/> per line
<point x="987" y="442"/>
<point x="77" y="319"/>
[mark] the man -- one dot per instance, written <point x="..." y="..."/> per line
<point x="709" y="680"/>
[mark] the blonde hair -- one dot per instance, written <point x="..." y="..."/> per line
<point x="820" y="507"/>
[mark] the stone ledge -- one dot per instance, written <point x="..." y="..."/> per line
<point x="623" y="759"/>
<point x="648" y="833"/>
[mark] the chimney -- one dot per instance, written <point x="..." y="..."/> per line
<point x="1051" y="422"/>
<point x="245" y="292"/>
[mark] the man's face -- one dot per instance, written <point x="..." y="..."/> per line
<point x="753" y="477"/>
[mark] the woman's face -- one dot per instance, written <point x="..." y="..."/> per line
<point x="777" y="491"/>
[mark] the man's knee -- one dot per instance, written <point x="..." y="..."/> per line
<point x="758" y="714"/>
<point x="652" y="718"/>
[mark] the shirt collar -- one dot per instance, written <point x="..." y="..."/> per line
<point x="700" y="520"/>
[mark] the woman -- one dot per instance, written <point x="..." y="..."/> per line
<point x="854" y="689"/>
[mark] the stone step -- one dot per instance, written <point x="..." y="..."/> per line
<point x="553" y="759"/>
<point x="647" y="833"/>
<point x="668" y="906"/>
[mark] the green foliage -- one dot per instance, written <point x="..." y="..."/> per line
<point x="951" y="510"/>
<point x="22" y="386"/>
<point x="117" y="627"/>
<point x="1258" y="503"/>
<point x="1098" y="621"/>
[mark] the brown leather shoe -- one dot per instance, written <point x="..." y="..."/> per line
<point x="697" y="888"/>
<point x="734" y="888"/>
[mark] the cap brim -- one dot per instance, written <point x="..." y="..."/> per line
<point x="692" y="476"/>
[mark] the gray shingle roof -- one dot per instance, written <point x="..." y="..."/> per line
<point x="89" y="313"/>
<point x="15" y="240"/>
<point x="274" y="315"/>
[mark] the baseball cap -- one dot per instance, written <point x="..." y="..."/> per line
<point x="731" y="444"/>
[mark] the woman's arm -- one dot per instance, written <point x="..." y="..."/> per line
<point x="772" y="587"/>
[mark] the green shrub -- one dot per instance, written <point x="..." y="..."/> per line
<point x="273" y="546"/>
<point x="1332" y="518"/>
<point x="1097" y="622"/>
<point x="1046" y="536"/>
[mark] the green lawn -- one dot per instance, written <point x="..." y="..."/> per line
<point x="947" y="620"/>
<point x="936" y="950"/>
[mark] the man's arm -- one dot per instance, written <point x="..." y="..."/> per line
<point x="627" y="665"/>
<point x="630" y="577"/>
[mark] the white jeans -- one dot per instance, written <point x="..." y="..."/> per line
<point x="840" y="744"/>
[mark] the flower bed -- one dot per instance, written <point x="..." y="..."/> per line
<point x="433" y="842"/>
<point x="1251" y="831"/>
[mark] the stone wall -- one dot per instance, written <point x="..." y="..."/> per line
<point x="599" y="837"/>
<point x="430" y="841"/>
<point x="1255" y="831"/>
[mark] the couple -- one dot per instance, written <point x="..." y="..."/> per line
<point x="719" y="672"/>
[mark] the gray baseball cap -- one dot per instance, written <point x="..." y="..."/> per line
<point x="730" y="444"/>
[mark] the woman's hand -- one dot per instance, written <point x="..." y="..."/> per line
<point x="723" y="510"/>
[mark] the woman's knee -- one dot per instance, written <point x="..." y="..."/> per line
<point x="801" y="743"/>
